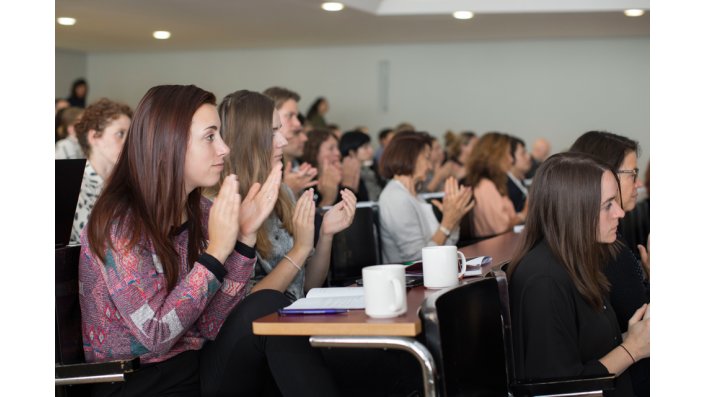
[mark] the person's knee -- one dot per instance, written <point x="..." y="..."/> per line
<point x="260" y="304"/>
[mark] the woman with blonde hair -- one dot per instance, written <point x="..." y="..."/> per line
<point x="487" y="168"/>
<point x="286" y="259"/>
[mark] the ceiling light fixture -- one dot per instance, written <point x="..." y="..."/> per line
<point x="463" y="15"/>
<point x="634" y="13"/>
<point x="66" y="21"/>
<point x="161" y="35"/>
<point x="332" y="6"/>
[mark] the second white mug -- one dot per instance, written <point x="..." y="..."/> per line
<point x="440" y="266"/>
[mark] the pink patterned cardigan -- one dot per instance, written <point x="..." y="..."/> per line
<point x="127" y="311"/>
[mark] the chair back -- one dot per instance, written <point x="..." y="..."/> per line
<point x="464" y="328"/>
<point x="67" y="314"/>
<point x="68" y="175"/>
<point x="356" y="247"/>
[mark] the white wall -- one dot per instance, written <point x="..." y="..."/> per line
<point x="70" y="65"/>
<point x="552" y="88"/>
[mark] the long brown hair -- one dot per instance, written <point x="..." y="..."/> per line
<point x="485" y="161"/>
<point x="145" y="193"/>
<point x="246" y="123"/>
<point x="564" y="210"/>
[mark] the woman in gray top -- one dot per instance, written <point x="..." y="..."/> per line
<point x="407" y="222"/>
<point x="286" y="259"/>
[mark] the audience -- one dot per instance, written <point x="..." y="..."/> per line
<point x="629" y="282"/>
<point x="487" y="168"/>
<point x="164" y="273"/>
<point x="68" y="147"/>
<point x="521" y="162"/>
<point x="297" y="176"/>
<point x="407" y="222"/>
<point x="357" y="144"/>
<point x="286" y="260"/>
<point x="316" y="113"/>
<point x="562" y="324"/>
<point x="176" y="279"/>
<point x="101" y="132"/>
<point x="539" y="152"/>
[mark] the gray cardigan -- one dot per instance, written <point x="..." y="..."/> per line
<point x="407" y="224"/>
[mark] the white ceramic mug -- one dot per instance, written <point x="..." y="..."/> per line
<point x="385" y="290"/>
<point x="440" y="266"/>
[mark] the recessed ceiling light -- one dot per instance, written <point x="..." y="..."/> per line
<point x="634" y="13"/>
<point x="161" y="34"/>
<point x="332" y="6"/>
<point x="66" y="21"/>
<point x="463" y="15"/>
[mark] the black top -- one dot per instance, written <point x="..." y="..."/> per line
<point x="628" y="292"/>
<point x="534" y="167"/>
<point x="556" y="332"/>
<point x="516" y="194"/>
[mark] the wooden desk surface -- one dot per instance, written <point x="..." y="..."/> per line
<point x="357" y="323"/>
<point x="501" y="248"/>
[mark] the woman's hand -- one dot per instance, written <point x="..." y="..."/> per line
<point x="330" y="177"/>
<point x="441" y="172"/>
<point x="223" y="220"/>
<point x="456" y="203"/>
<point x="637" y="340"/>
<point x="301" y="179"/>
<point x="304" y="222"/>
<point x="258" y="204"/>
<point x="341" y="215"/>
<point x="351" y="172"/>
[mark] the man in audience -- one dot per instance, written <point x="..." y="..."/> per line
<point x="384" y="137"/>
<point x="297" y="176"/>
<point x="521" y="162"/>
<point x="539" y="152"/>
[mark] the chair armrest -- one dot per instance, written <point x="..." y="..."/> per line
<point x="110" y="371"/>
<point x="558" y="386"/>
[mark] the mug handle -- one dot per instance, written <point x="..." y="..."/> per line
<point x="399" y="291"/>
<point x="464" y="264"/>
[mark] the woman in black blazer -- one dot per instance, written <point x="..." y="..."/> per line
<point x="563" y="322"/>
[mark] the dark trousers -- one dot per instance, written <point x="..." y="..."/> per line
<point x="236" y="363"/>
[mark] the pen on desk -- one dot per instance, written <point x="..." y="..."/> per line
<point x="285" y="312"/>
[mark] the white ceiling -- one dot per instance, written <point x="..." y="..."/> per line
<point x="127" y="25"/>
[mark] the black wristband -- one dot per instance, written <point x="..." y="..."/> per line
<point x="245" y="250"/>
<point x="213" y="265"/>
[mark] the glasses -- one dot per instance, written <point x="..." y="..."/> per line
<point x="634" y="173"/>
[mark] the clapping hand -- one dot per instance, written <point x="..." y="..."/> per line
<point x="351" y="172"/>
<point x="223" y="220"/>
<point x="330" y="177"/>
<point x="637" y="340"/>
<point x="304" y="214"/>
<point x="302" y="178"/>
<point x="341" y="215"/>
<point x="457" y="201"/>
<point x="258" y="204"/>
